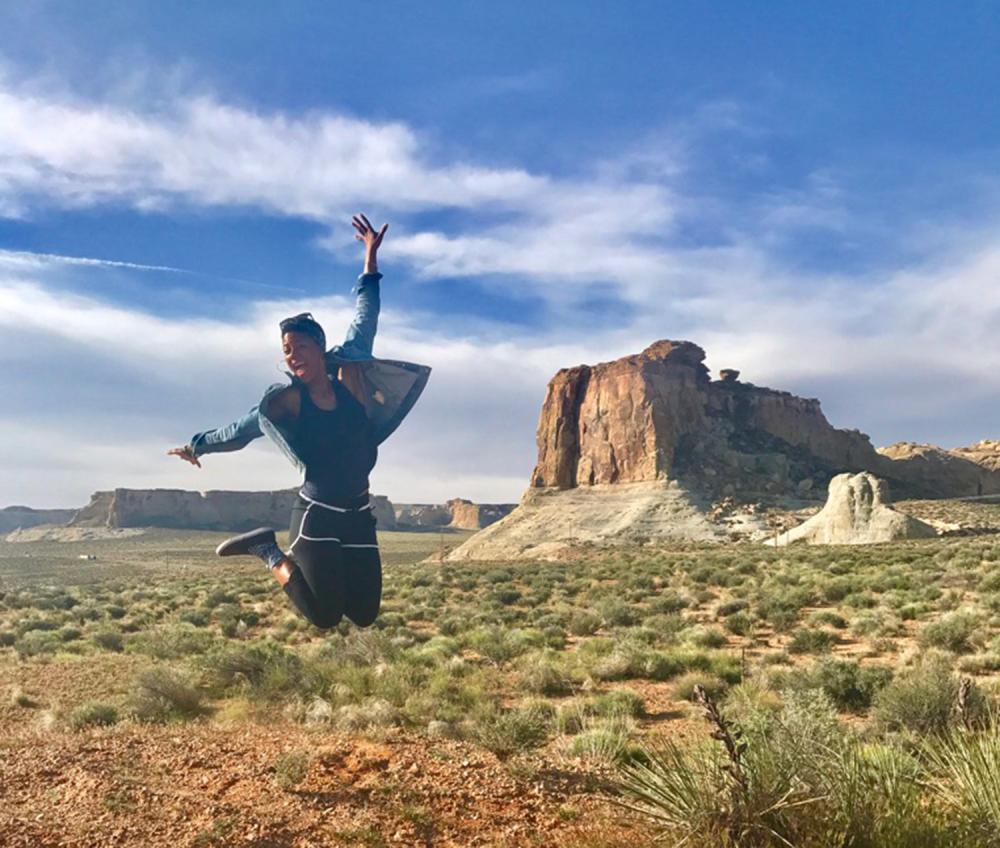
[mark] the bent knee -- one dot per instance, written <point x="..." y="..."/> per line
<point x="365" y="618"/>
<point x="326" y="620"/>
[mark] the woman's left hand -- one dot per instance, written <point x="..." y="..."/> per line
<point x="371" y="239"/>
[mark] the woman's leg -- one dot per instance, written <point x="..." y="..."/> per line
<point x="315" y="581"/>
<point x="362" y="568"/>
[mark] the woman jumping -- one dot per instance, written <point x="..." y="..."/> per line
<point x="340" y="405"/>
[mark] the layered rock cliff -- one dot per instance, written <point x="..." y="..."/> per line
<point x="658" y="415"/>
<point x="214" y="510"/>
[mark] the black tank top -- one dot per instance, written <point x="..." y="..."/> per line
<point x="337" y="446"/>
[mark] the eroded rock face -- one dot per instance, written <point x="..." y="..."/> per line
<point x="856" y="513"/>
<point x="657" y="415"/>
<point x="189" y="510"/>
<point x="619" y="422"/>
<point x="985" y="453"/>
<point x="932" y="472"/>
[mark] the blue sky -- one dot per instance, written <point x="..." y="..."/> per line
<point x="807" y="190"/>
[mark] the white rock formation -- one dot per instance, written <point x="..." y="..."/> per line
<point x="549" y="521"/>
<point x="856" y="513"/>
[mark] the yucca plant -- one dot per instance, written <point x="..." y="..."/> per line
<point x="963" y="775"/>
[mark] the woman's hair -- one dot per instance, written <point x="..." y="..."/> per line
<point x="306" y="324"/>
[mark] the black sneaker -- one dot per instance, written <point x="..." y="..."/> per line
<point x="252" y="543"/>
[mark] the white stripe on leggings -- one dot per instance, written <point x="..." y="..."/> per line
<point x="331" y="506"/>
<point x="359" y="546"/>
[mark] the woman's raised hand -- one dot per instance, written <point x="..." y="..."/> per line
<point x="371" y="239"/>
<point x="186" y="454"/>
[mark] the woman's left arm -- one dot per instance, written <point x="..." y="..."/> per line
<point x="360" y="339"/>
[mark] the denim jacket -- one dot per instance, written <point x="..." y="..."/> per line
<point x="392" y="387"/>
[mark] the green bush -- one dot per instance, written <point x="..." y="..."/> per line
<point x="161" y="694"/>
<point x="108" y="640"/>
<point x="509" y="732"/>
<point x="542" y="675"/>
<point x="954" y="632"/>
<point x="93" y="714"/>
<point x="811" y="640"/>
<point x="921" y="698"/>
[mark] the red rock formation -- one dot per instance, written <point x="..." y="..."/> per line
<point x="466" y="515"/>
<point x="657" y="415"/>
<point x="618" y="422"/>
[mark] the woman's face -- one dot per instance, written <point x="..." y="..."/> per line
<point x="303" y="356"/>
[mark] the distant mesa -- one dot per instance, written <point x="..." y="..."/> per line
<point x="231" y="511"/>
<point x="642" y="447"/>
<point x="23" y="517"/>
<point x="456" y="514"/>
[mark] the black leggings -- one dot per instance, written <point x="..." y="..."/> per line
<point x="338" y="571"/>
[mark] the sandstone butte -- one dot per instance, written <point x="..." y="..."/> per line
<point x="641" y="447"/>
<point x="658" y="415"/>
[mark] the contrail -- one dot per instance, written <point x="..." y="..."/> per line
<point x="27" y="257"/>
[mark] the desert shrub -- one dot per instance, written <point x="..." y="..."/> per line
<point x="616" y="613"/>
<point x="739" y="623"/>
<point x="583" y="623"/>
<point x="508" y="732"/>
<point x="29" y="625"/>
<point x="963" y="771"/>
<point x="828" y="618"/>
<point x="954" y="632"/>
<point x="171" y="641"/>
<point x="93" y="714"/>
<point x="217" y="597"/>
<point x="666" y="625"/>
<point x="70" y="633"/>
<point x="618" y="702"/>
<point x="160" y="694"/>
<point x="542" y="675"/>
<point x="921" y="698"/>
<point x="705" y="637"/>
<point x="791" y="776"/>
<point x="811" y="640"/>
<point x="195" y="617"/>
<point x="37" y="642"/>
<point x="7" y="638"/>
<point x="684" y="685"/>
<point x="115" y="611"/>
<point x="657" y="665"/>
<point x="291" y="769"/>
<point x="506" y="596"/>
<point x="499" y="644"/>
<point x="729" y="608"/>
<point x="606" y="741"/>
<point x="370" y="713"/>
<point x="108" y="640"/>
<point x="265" y="669"/>
<point x="668" y="602"/>
<point x="849" y="686"/>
